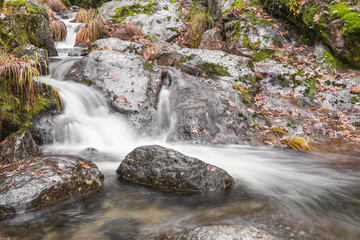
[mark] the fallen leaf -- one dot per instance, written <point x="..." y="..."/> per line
<point x="81" y="162"/>
<point x="86" y="166"/>
<point x="316" y="18"/>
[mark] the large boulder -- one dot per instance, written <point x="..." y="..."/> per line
<point x="158" y="18"/>
<point x="219" y="232"/>
<point x="125" y="78"/>
<point x="37" y="182"/>
<point x="170" y="170"/>
<point x="18" y="146"/>
<point x="29" y="26"/>
<point x="117" y="44"/>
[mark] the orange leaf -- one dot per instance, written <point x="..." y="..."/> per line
<point x="86" y="166"/>
<point x="81" y="162"/>
<point x="41" y="174"/>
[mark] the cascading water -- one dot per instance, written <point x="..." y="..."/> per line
<point x="296" y="182"/>
<point x="165" y="118"/>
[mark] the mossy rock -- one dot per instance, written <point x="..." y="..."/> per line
<point x="337" y="24"/>
<point x="21" y="29"/>
<point x="15" y="112"/>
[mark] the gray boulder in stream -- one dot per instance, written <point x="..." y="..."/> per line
<point x="37" y="182"/>
<point x="124" y="77"/>
<point x="172" y="171"/>
<point x="218" y="232"/>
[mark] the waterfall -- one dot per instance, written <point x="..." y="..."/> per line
<point x="293" y="179"/>
<point x="165" y="117"/>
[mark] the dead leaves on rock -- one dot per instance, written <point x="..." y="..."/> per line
<point x="151" y="53"/>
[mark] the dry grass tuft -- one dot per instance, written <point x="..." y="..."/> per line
<point x="57" y="97"/>
<point x="124" y="31"/>
<point x="301" y="144"/>
<point x="58" y="29"/>
<point x="279" y="130"/>
<point x="49" y="12"/>
<point x="199" y="23"/>
<point x="84" y="16"/>
<point x="23" y="74"/>
<point x="56" y="5"/>
<point x="91" y="31"/>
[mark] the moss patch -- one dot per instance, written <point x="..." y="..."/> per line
<point x="216" y="69"/>
<point x="122" y="13"/>
<point x="15" y="114"/>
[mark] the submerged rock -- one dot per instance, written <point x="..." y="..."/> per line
<point x="37" y="182"/>
<point x="18" y="146"/>
<point x="172" y="171"/>
<point x="219" y="232"/>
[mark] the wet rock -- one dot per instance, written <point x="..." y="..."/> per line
<point x="124" y="229"/>
<point x="213" y="63"/>
<point x="263" y="34"/>
<point x="163" y="22"/>
<point x="37" y="182"/>
<point x="33" y="28"/>
<point x="124" y="31"/>
<point x="124" y="77"/>
<point x="170" y="170"/>
<point x="117" y="44"/>
<point x="18" y="146"/>
<point x="219" y="232"/>
<point x="206" y="110"/>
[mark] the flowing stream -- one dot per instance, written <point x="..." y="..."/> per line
<point x="289" y="194"/>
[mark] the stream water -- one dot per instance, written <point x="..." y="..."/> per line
<point x="289" y="194"/>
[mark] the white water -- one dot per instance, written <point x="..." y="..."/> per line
<point x="72" y="29"/>
<point x="298" y="181"/>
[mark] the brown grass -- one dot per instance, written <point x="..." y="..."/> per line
<point x="84" y="16"/>
<point x="22" y="72"/>
<point x="58" y="29"/>
<point x="199" y="23"/>
<point x="124" y="31"/>
<point x="57" y="97"/>
<point x="49" y="12"/>
<point x="91" y="31"/>
<point x="56" y="5"/>
<point x="301" y="144"/>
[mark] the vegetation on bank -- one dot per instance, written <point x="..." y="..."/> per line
<point x="337" y="23"/>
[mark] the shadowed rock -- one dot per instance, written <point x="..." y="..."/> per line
<point x="218" y="232"/>
<point x="37" y="182"/>
<point x="170" y="170"/>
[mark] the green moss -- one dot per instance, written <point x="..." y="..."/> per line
<point x="18" y="3"/>
<point x="186" y="58"/>
<point x="262" y="55"/>
<point x="14" y="110"/>
<point x="355" y="100"/>
<point x="122" y="13"/>
<point x="215" y="69"/>
<point x="311" y="90"/>
<point x="334" y="63"/>
<point x="236" y="32"/>
<point x="245" y="42"/>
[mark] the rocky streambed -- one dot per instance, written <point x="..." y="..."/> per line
<point x="167" y="118"/>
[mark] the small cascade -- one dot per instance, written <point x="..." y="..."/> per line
<point x="165" y="118"/>
<point x="64" y="47"/>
